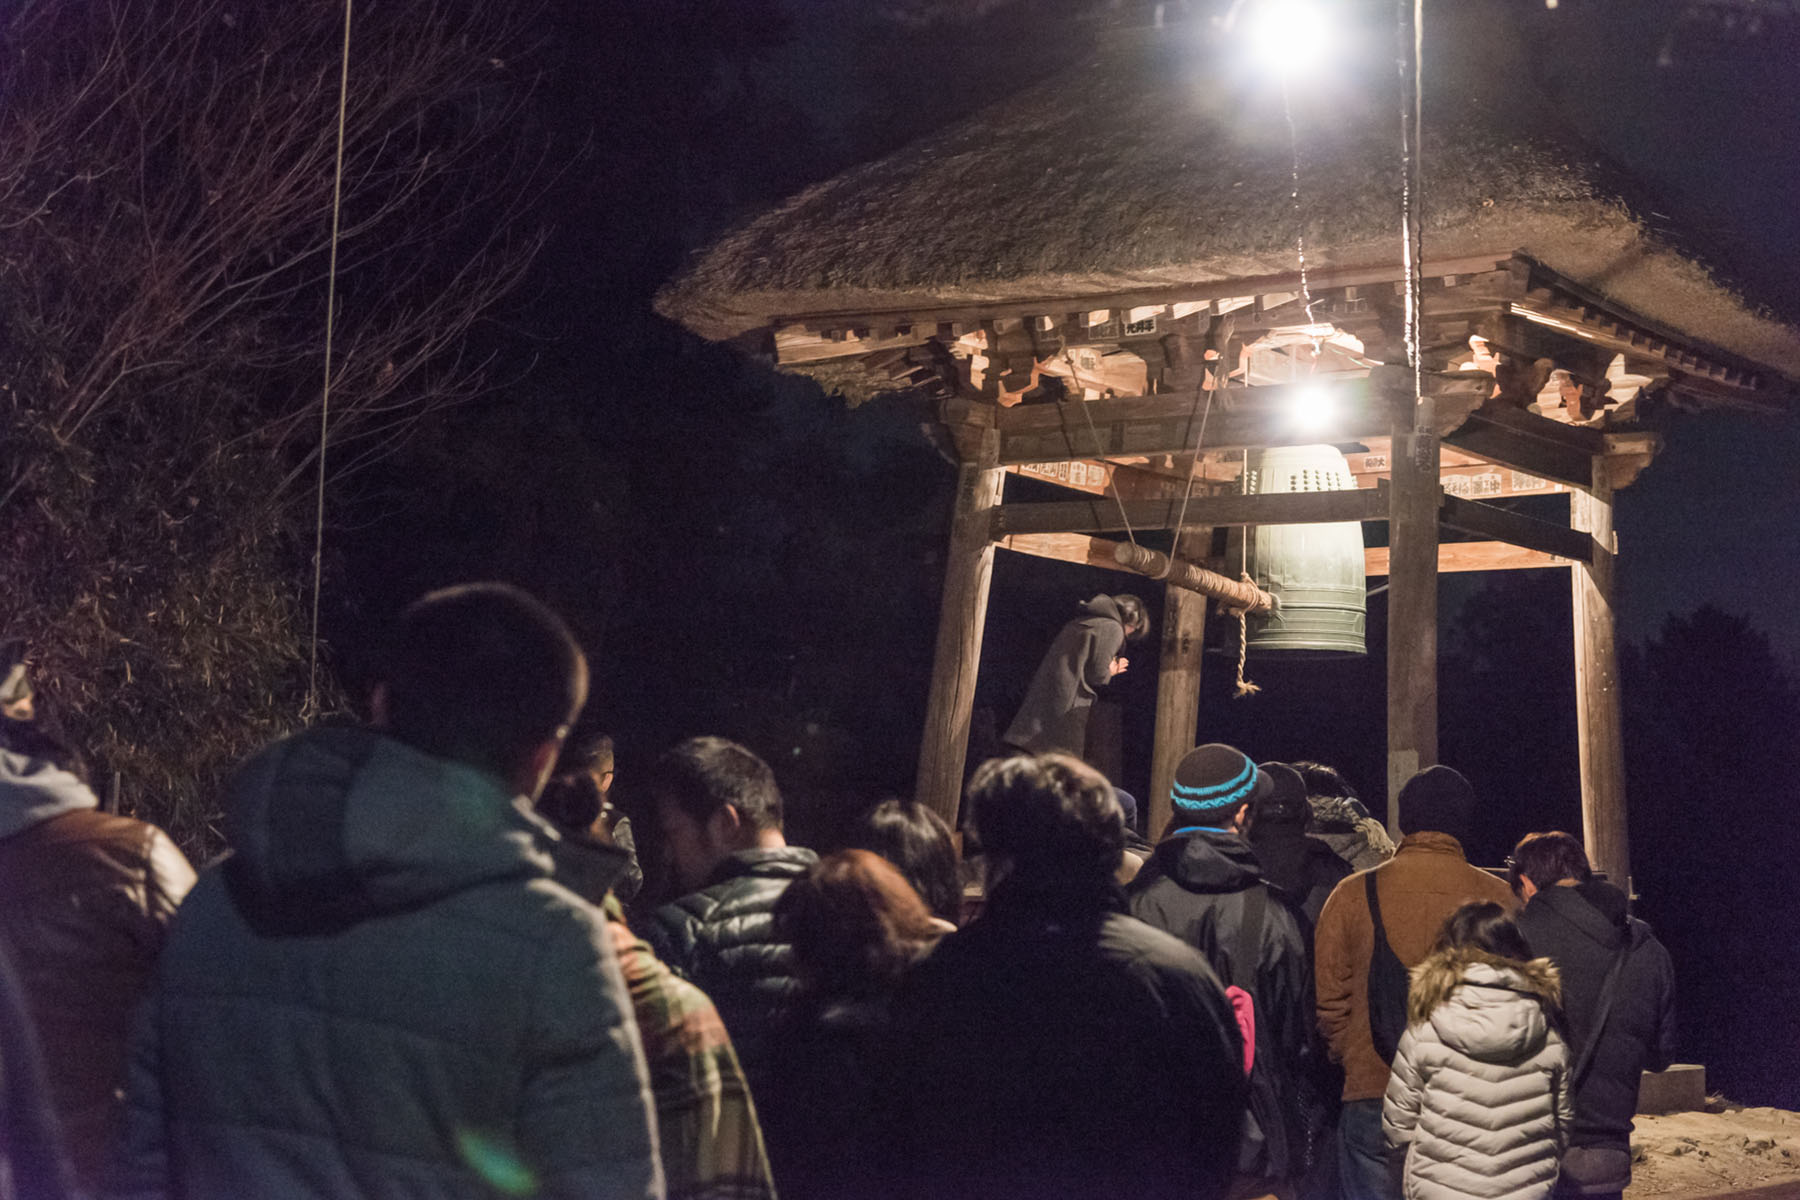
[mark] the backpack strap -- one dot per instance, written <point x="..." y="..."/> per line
<point x="1374" y="894"/>
<point x="1609" y="991"/>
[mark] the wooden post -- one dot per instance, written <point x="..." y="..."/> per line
<point x="967" y="571"/>
<point x="1412" y="707"/>
<point x="1177" y="684"/>
<point x="1597" y="714"/>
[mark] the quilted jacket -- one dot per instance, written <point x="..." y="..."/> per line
<point x="1479" y="1095"/>
<point x="383" y="995"/>
<point x="722" y="938"/>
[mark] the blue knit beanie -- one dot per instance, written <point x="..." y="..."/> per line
<point x="1214" y="780"/>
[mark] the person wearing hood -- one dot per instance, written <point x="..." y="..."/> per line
<point x="1340" y="819"/>
<point x="1083" y="658"/>
<point x="1302" y="866"/>
<point x="1580" y="923"/>
<point x="1204" y="884"/>
<point x="382" y="992"/>
<point x="85" y="902"/>
<point x="1479" y="1101"/>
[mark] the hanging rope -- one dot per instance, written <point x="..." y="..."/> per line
<point x="1243" y="686"/>
<point x="311" y="708"/>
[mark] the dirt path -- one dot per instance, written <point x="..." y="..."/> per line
<point x="1687" y="1156"/>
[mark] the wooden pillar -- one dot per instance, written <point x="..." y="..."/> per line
<point x="1177" y="683"/>
<point x="1597" y="708"/>
<point x="968" y="569"/>
<point x="1412" y="708"/>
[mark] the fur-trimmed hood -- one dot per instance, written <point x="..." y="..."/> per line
<point x="1487" y="1007"/>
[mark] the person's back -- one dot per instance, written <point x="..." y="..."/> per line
<point x="382" y="992"/>
<point x="1478" y="1101"/>
<point x="1203" y="884"/>
<point x="1057" y="1046"/>
<point x="1427" y="879"/>
<point x="1580" y="923"/>
<point x="85" y="900"/>
<point x="1303" y="867"/>
<point x="720" y="816"/>
<point x="857" y="928"/>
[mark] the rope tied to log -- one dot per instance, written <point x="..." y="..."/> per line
<point x="1244" y="687"/>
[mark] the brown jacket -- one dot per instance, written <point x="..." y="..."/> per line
<point x="84" y="900"/>
<point x="1423" y="883"/>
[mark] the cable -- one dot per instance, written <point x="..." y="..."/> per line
<point x="337" y="209"/>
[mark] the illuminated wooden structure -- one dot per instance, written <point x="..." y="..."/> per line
<point x="1081" y="275"/>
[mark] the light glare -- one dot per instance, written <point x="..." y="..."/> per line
<point x="1286" y="37"/>
<point x="1313" y="408"/>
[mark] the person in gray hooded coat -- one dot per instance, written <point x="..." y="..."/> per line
<point x="382" y="994"/>
<point x="1479" y="1098"/>
<point x="1084" y="657"/>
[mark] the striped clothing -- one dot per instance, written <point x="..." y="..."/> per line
<point x="712" y="1147"/>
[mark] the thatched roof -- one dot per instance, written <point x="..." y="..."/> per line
<point x="1137" y="171"/>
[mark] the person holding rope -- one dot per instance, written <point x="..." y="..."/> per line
<point x="1083" y="658"/>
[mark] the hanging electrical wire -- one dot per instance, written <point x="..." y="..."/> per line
<point x="311" y="708"/>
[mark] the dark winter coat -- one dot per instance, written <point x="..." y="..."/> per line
<point x="1581" y="929"/>
<point x="85" y="901"/>
<point x="1195" y="887"/>
<point x="382" y="994"/>
<point x="722" y="938"/>
<point x="1303" y="867"/>
<point x="822" y="1099"/>
<point x="1064" y="1049"/>
<point x="1055" y="710"/>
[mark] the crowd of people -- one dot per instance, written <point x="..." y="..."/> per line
<point x="442" y="959"/>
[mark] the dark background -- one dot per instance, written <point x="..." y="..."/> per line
<point x="744" y="554"/>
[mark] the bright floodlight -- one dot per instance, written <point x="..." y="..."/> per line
<point x="1312" y="407"/>
<point x="1286" y="37"/>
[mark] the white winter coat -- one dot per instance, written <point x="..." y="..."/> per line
<point x="1479" y="1095"/>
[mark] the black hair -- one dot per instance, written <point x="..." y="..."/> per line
<point x="1547" y="859"/>
<point x="704" y="774"/>
<point x="587" y="751"/>
<point x="482" y="674"/>
<point x="1053" y="817"/>
<point x="1134" y="616"/>
<point x="1324" y="780"/>
<point x="915" y="839"/>
<point x="572" y="802"/>
<point x="1483" y="925"/>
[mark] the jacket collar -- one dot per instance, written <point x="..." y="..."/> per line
<point x="1568" y="905"/>
<point x="1430" y="842"/>
<point x="33" y="790"/>
<point x="775" y="862"/>
<point x="1208" y="860"/>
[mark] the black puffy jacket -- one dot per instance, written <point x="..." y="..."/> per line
<point x="722" y="938"/>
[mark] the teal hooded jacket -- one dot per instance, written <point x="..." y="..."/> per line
<point x="381" y="994"/>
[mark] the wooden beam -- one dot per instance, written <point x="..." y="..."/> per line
<point x="1515" y="529"/>
<point x="1076" y="548"/>
<point x="1412" y="708"/>
<point x="1354" y="409"/>
<point x="1102" y="514"/>
<point x="1177" y="684"/>
<point x="1537" y="445"/>
<point x="1599" y="723"/>
<point x="1098" y="478"/>
<point x="973" y="313"/>
<point x="968" y="569"/>
<point x="1455" y="557"/>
